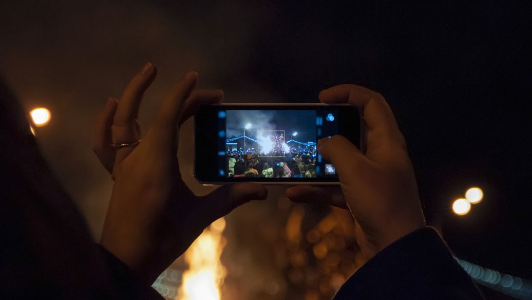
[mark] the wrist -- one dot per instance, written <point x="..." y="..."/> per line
<point x="379" y="241"/>
<point x="133" y="258"/>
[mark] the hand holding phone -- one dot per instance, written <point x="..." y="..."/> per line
<point x="153" y="216"/>
<point x="379" y="186"/>
<point x="269" y="143"/>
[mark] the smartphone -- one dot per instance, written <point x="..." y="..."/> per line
<point x="269" y="143"/>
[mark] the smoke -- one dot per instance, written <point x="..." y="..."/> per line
<point x="69" y="56"/>
<point x="255" y="119"/>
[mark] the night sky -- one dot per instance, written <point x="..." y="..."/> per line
<point x="291" y="121"/>
<point x="457" y="76"/>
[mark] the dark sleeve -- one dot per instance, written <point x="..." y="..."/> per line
<point x="417" y="266"/>
<point x="47" y="250"/>
<point x="124" y="279"/>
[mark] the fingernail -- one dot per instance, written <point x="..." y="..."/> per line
<point x="191" y="75"/>
<point x="110" y="102"/>
<point x="147" y="69"/>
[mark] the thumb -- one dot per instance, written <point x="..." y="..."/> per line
<point x="228" y="197"/>
<point x="343" y="154"/>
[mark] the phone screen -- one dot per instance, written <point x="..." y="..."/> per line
<point x="271" y="143"/>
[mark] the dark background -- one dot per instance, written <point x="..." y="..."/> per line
<point x="458" y="78"/>
<point x="457" y="75"/>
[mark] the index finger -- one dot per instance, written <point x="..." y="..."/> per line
<point x="376" y="111"/>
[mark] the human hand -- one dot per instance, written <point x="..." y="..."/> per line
<point x="153" y="217"/>
<point x="378" y="187"/>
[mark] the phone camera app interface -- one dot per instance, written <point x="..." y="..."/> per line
<point x="274" y="143"/>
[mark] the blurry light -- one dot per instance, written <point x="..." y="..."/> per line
<point x="312" y="296"/>
<point x="475" y="272"/>
<point x="497" y="278"/>
<point x="293" y="225"/>
<point x="507" y="281"/>
<point x="32" y="130"/>
<point x="474" y="195"/>
<point x="461" y="207"/>
<point x="320" y="250"/>
<point x="205" y="272"/>
<point x="272" y="288"/>
<point x="467" y="267"/>
<point x="174" y="275"/>
<point x="337" y="281"/>
<point x="248" y="126"/>
<point x="40" y="116"/>
<point x="327" y="224"/>
<point x="487" y="275"/>
<point x="481" y="274"/>
<point x="518" y="283"/>
<point x="295" y="133"/>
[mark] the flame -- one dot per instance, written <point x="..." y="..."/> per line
<point x="205" y="273"/>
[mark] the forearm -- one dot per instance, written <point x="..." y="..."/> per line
<point x="124" y="280"/>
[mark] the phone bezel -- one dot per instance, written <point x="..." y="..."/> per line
<point x="356" y="139"/>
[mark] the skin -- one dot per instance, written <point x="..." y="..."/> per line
<point x="379" y="187"/>
<point x="153" y="217"/>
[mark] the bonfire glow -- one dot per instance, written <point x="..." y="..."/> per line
<point x="205" y="273"/>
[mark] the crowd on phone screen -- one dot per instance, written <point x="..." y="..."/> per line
<point x="298" y="163"/>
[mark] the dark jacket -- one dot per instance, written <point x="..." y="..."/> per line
<point x="417" y="266"/>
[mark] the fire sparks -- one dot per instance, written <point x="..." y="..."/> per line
<point x="272" y="143"/>
<point x="205" y="273"/>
